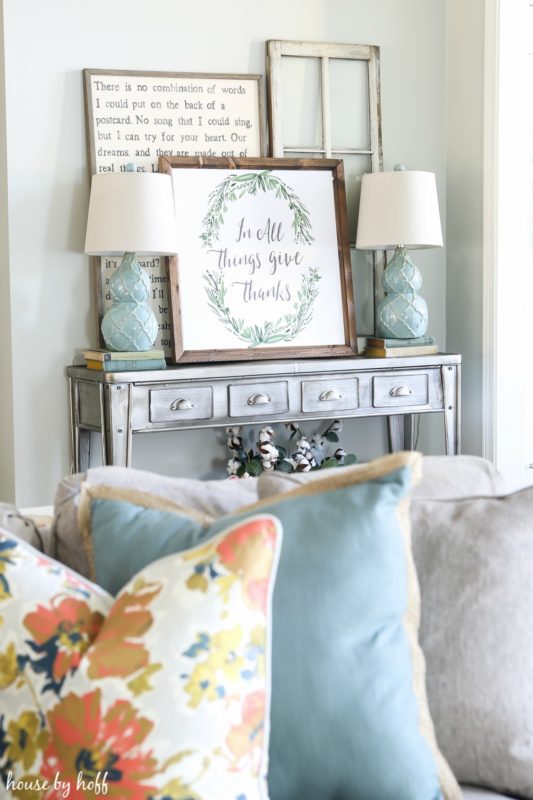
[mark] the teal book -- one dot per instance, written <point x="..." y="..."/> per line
<point x="118" y="355"/>
<point x="127" y="365"/>
<point x="420" y="341"/>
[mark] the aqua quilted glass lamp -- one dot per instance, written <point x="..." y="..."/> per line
<point x="130" y="214"/>
<point x="399" y="210"/>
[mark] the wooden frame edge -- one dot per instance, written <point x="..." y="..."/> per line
<point x="349" y="348"/>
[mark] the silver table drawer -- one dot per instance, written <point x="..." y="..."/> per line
<point x="395" y="391"/>
<point x="186" y="402"/>
<point x="258" y="399"/>
<point x="330" y="395"/>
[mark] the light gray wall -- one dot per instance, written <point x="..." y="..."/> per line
<point x="7" y="473"/>
<point x="464" y="206"/>
<point x="52" y="313"/>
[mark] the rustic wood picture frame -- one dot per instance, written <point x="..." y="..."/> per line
<point x="97" y="85"/>
<point x="343" y="316"/>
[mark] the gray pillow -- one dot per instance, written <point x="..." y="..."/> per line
<point x="458" y="476"/>
<point x="12" y="521"/>
<point x="474" y="558"/>
<point x="442" y="477"/>
<point x="213" y="498"/>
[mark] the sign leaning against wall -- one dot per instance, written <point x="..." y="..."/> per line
<point x="138" y="117"/>
<point x="263" y="269"/>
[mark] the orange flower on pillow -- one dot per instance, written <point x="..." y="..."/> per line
<point x="61" y="632"/>
<point x="88" y="744"/>
<point x="245" y="740"/>
<point x="119" y="650"/>
<point x="237" y="552"/>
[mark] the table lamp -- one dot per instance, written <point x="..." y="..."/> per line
<point x="130" y="214"/>
<point x="399" y="210"/>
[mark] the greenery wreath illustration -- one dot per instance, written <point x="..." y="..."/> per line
<point x="235" y="186"/>
<point x="285" y="329"/>
<point x="288" y="326"/>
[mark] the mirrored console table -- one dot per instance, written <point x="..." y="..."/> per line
<point x="119" y="404"/>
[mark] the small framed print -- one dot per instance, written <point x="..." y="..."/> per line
<point x="263" y="269"/>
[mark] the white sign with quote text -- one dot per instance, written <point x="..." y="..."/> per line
<point x="258" y="258"/>
<point x="136" y="117"/>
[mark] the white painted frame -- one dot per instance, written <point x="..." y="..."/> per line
<point x="507" y="267"/>
<point x="277" y="49"/>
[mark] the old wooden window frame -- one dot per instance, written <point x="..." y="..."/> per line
<point x="277" y="50"/>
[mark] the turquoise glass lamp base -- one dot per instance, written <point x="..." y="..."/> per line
<point x="129" y="323"/>
<point x="402" y="313"/>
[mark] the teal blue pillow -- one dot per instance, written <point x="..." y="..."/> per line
<point x="349" y="715"/>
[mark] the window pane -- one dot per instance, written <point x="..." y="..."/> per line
<point x="354" y="169"/>
<point x="301" y="102"/>
<point x="303" y="153"/>
<point x="348" y="82"/>
<point x="363" y="285"/>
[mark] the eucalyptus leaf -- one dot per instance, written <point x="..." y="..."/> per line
<point x="284" y="466"/>
<point x="254" y="467"/>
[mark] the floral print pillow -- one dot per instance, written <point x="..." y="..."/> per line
<point x="161" y="693"/>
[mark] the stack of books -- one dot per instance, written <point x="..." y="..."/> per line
<point x="118" y="361"/>
<point x="376" y="347"/>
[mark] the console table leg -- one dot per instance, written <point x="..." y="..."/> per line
<point x="396" y="432"/>
<point x="401" y="429"/>
<point x="409" y="431"/>
<point x="84" y="450"/>
<point x="80" y="438"/>
<point x="451" y="393"/>
<point x="117" y="411"/>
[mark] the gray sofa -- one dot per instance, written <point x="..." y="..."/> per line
<point x="454" y="512"/>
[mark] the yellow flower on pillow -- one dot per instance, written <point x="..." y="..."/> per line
<point x="224" y="656"/>
<point x="8" y="666"/>
<point x="25" y="739"/>
<point x="210" y="678"/>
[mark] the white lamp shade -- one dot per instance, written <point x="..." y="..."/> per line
<point x="131" y="212"/>
<point x="398" y="208"/>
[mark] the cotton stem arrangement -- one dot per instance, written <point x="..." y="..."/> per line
<point x="301" y="455"/>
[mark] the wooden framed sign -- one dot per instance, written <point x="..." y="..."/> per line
<point x="136" y="117"/>
<point x="263" y="269"/>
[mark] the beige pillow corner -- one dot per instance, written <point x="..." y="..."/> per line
<point x="212" y="498"/>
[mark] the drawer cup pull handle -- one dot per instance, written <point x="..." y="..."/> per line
<point x="181" y="405"/>
<point x="330" y="394"/>
<point x="400" y="391"/>
<point x="258" y="400"/>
